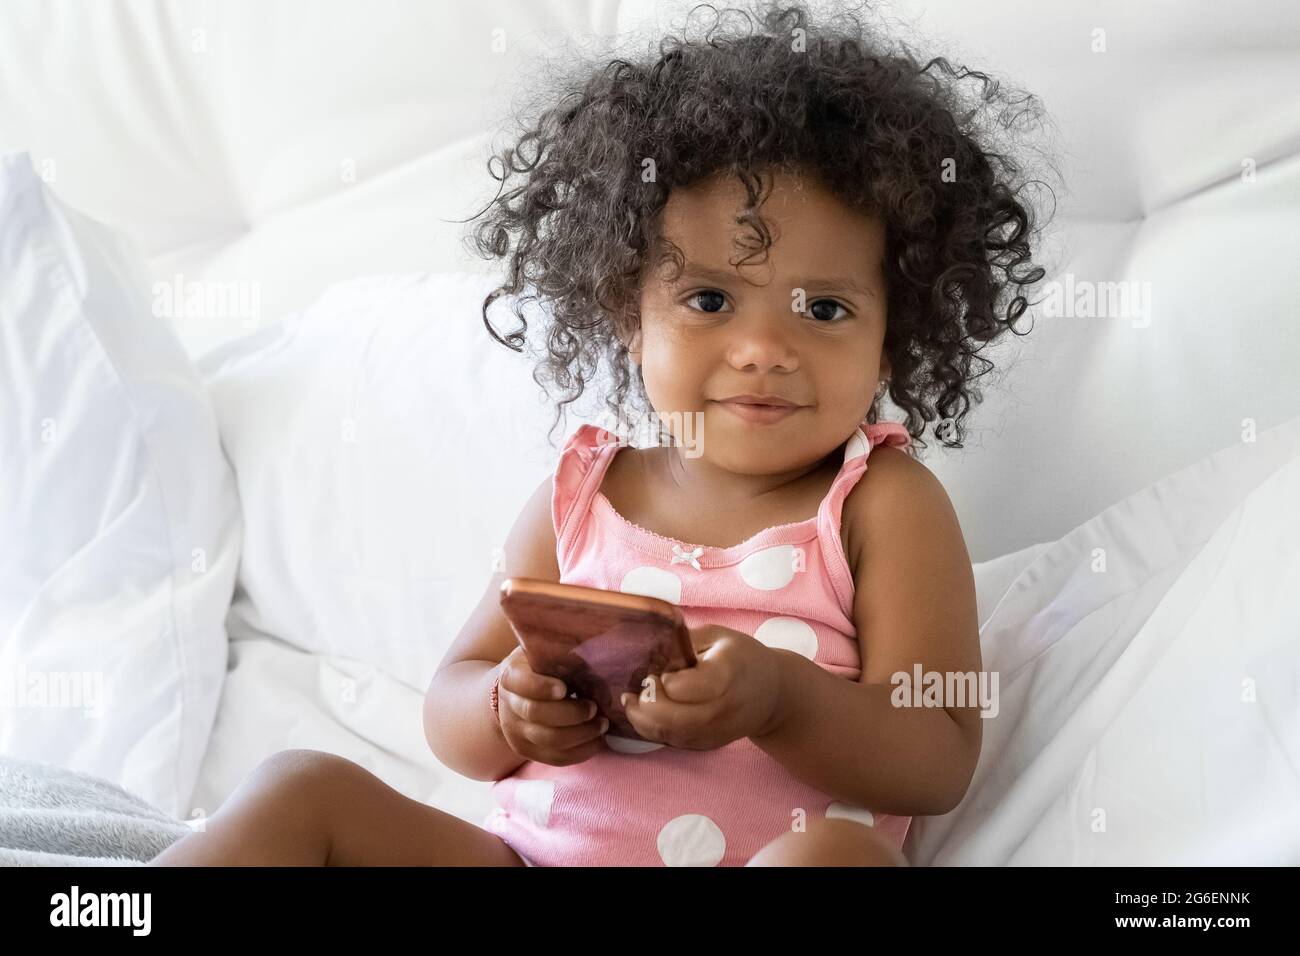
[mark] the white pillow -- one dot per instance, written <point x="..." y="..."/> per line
<point x="383" y="444"/>
<point x="119" y="524"/>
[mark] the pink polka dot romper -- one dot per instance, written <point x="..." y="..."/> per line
<point x="639" y="803"/>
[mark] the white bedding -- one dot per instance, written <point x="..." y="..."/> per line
<point x="1150" y="712"/>
<point x="119" y="524"/>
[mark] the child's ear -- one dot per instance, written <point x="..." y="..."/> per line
<point x="629" y="334"/>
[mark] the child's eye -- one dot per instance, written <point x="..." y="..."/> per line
<point x="710" y="295"/>
<point x="826" y="314"/>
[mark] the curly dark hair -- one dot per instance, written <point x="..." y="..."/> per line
<point x="575" y="221"/>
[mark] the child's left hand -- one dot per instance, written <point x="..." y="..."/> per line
<point x="733" y="691"/>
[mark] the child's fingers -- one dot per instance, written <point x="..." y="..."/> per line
<point x="518" y="678"/>
<point x="551" y="713"/>
<point x="567" y="738"/>
<point x="557" y="746"/>
<point x="691" y="685"/>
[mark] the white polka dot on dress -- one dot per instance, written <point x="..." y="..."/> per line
<point x="691" y="839"/>
<point x="626" y="745"/>
<point x="769" y="569"/>
<point x="533" y="798"/>
<point x="845" y="811"/>
<point x="653" y="582"/>
<point x="788" y="633"/>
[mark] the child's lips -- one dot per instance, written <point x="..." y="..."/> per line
<point x="760" y="414"/>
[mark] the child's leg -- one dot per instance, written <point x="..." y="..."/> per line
<point x="830" y="842"/>
<point x="309" y="808"/>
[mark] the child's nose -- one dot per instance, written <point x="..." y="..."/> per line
<point x="762" y="343"/>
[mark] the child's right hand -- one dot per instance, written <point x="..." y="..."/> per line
<point x="540" y="726"/>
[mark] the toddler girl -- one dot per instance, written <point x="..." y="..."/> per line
<point x="758" y="234"/>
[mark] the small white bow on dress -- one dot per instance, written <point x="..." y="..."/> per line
<point x="687" y="557"/>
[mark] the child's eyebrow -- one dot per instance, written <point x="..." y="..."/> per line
<point x="721" y="276"/>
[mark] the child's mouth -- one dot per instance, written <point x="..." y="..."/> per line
<point x="760" y="414"/>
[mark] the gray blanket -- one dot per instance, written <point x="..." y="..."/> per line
<point x="52" y="816"/>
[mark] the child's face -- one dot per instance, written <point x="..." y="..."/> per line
<point x="707" y="337"/>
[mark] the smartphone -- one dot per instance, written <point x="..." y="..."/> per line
<point x="600" y="643"/>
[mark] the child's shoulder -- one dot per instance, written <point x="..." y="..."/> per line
<point x="898" y="502"/>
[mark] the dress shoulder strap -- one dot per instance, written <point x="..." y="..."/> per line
<point x="578" y="474"/>
<point x="856" y="452"/>
<point x="877" y="433"/>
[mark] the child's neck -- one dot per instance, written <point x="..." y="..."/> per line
<point x="698" y="479"/>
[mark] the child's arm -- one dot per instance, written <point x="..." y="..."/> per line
<point x="914" y="604"/>
<point x="458" y="720"/>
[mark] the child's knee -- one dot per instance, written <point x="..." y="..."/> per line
<point x="300" y="776"/>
